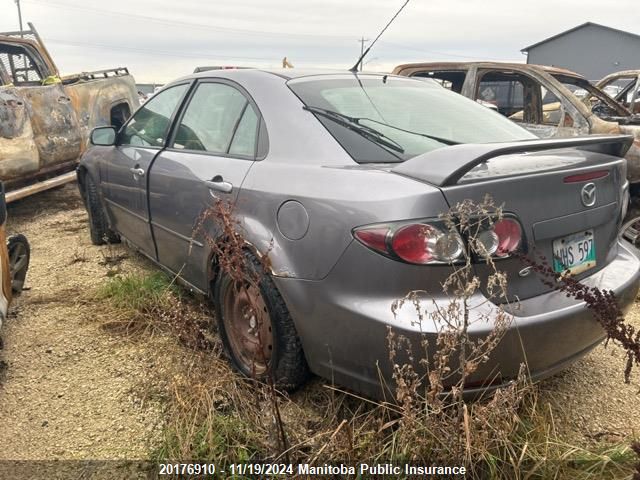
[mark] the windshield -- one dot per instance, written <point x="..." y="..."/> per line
<point x="414" y="116"/>
<point x="622" y="88"/>
<point x="596" y="100"/>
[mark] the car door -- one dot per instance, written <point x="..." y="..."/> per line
<point x="16" y="135"/>
<point x="212" y="149"/>
<point x="124" y="180"/>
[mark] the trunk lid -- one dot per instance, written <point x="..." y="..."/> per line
<point x="541" y="183"/>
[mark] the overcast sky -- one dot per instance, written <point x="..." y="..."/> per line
<point x="163" y="39"/>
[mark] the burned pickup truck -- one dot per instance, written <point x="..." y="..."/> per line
<point x="539" y="98"/>
<point x="45" y="118"/>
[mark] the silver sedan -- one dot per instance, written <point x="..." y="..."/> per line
<point x="342" y="178"/>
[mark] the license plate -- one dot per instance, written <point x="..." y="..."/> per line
<point x="575" y="253"/>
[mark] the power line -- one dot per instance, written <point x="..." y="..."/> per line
<point x="166" y="21"/>
<point x="430" y="52"/>
<point x="157" y="52"/>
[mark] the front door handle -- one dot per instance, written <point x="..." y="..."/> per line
<point x="219" y="185"/>
<point x="137" y="171"/>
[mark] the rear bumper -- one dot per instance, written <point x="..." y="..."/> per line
<point x="343" y="321"/>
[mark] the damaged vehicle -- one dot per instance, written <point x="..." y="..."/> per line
<point x="341" y="179"/>
<point x="45" y="118"/>
<point x="627" y="85"/>
<point x="539" y="98"/>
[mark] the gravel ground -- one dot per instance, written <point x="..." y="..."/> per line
<point x="69" y="389"/>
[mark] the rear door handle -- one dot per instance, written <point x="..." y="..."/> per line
<point x="137" y="171"/>
<point x="219" y="185"/>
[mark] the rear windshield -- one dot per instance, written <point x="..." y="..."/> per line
<point x="400" y="114"/>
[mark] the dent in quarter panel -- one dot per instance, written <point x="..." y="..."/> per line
<point x="336" y="199"/>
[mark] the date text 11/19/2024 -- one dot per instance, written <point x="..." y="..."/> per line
<point x="205" y="470"/>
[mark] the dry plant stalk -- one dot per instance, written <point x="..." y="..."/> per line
<point x="461" y="432"/>
<point x="602" y="303"/>
<point x="231" y="253"/>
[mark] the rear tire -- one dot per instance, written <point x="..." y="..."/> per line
<point x="19" y="256"/>
<point x="98" y="225"/>
<point x="279" y="340"/>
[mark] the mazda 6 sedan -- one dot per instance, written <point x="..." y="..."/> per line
<point x="341" y="179"/>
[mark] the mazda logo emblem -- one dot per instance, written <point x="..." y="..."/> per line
<point x="588" y="195"/>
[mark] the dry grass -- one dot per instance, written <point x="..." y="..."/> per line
<point x="213" y="414"/>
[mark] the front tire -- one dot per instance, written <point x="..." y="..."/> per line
<point x="256" y="329"/>
<point x="98" y="225"/>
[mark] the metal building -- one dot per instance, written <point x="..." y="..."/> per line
<point x="590" y="49"/>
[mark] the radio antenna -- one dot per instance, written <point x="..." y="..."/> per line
<point x="354" y="69"/>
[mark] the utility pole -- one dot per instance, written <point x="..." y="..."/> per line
<point x="362" y="42"/>
<point x="19" y="16"/>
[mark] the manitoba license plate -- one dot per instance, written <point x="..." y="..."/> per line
<point x="575" y="253"/>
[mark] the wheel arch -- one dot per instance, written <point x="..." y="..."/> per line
<point x="213" y="263"/>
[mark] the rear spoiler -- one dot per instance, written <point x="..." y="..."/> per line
<point x="445" y="166"/>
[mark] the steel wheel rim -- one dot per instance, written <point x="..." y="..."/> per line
<point x="248" y="327"/>
<point x="18" y="263"/>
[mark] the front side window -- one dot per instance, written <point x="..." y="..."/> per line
<point x="150" y="125"/>
<point x="219" y="119"/>
<point x="385" y="119"/>
<point x="551" y="108"/>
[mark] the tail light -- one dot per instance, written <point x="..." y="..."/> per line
<point x="424" y="243"/>
<point x="500" y="239"/>
<point x="419" y="243"/>
<point x="431" y="243"/>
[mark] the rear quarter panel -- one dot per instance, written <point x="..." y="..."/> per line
<point x="306" y="164"/>
<point x="336" y="199"/>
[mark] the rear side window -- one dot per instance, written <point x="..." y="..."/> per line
<point x="451" y="80"/>
<point x="18" y="62"/>
<point x="503" y="92"/>
<point x="150" y="124"/>
<point x="244" y="141"/>
<point x="219" y="119"/>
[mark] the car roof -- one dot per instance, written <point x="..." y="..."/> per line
<point x="465" y="65"/>
<point x="285" y="73"/>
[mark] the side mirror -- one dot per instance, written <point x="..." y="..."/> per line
<point x="103" y="136"/>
